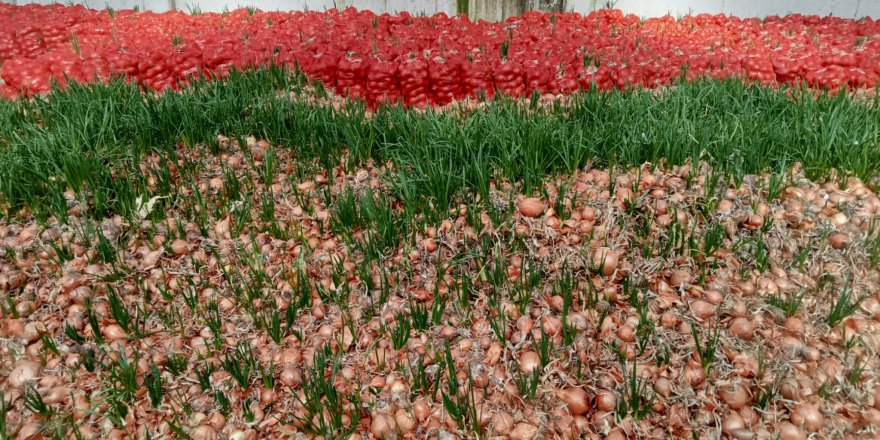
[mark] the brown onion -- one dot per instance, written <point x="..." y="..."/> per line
<point x="606" y="259"/>
<point x="502" y="423"/>
<point x="839" y="240"/>
<point x="405" y="422"/>
<point x="787" y="431"/>
<point x="742" y="328"/>
<point x="736" y="396"/>
<point x="606" y="400"/>
<point x="421" y="409"/>
<point x="383" y="426"/>
<point x="529" y="361"/>
<point x="809" y="416"/>
<point x="523" y="431"/>
<point x="24" y="371"/>
<point x="575" y="399"/>
<point x="531" y="207"/>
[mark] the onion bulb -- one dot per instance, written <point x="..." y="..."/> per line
<point x="502" y="423"/>
<point x="606" y="259"/>
<point x="529" y="361"/>
<point x="523" y="431"/>
<point x="383" y="426"/>
<point x="787" y="431"/>
<point x="575" y="399"/>
<point x="809" y="417"/>
<point x="606" y="400"/>
<point x="531" y="207"/>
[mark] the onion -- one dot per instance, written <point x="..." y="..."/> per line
<point x="531" y="207"/>
<point x="734" y="395"/>
<point x="405" y="422"/>
<point x="617" y="434"/>
<point x="383" y="426"/>
<point x="694" y="373"/>
<point x="179" y="247"/>
<point x="679" y="277"/>
<point x="30" y="430"/>
<point x="606" y="400"/>
<point x="876" y="394"/>
<point x="702" y="309"/>
<point x="794" y="325"/>
<point x="808" y="416"/>
<point x="502" y="423"/>
<point x="24" y="371"/>
<point x="606" y="259"/>
<point x="787" y="431"/>
<point x="588" y="213"/>
<point x="839" y="240"/>
<point x="839" y="219"/>
<point x="742" y="328"/>
<point x="663" y="387"/>
<point x="291" y="376"/>
<point x="575" y="399"/>
<point x="754" y="222"/>
<point x="523" y="431"/>
<point x="203" y="432"/>
<point x="529" y="361"/>
<point x="731" y="422"/>
<point x="421" y="409"/>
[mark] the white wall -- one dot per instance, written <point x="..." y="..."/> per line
<point x="645" y="8"/>
<point x="742" y="8"/>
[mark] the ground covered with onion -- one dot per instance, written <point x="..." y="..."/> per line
<point x="315" y="270"/>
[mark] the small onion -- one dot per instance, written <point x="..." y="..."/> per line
<point x="203" y="432"/>
<point x="421" y="409"/>
<point x="24" y="371"/>
<point x="679" y="277"/>
<point x="606" y="259"/>
<point x="502" y="423"/>
<point x="405" y="422"/>
<point x="703" y="309"/>
<point x="529" y="361"/>
<point x="606" y="400"/>
<point x="523" y="431"/>
<point x="742" y="328"/>
<point x="383" y="426"/>
<point x="179" y="247"/>
<point x="663" y="386"/>
<point x="839" y="240"/>
<point x="531" y="207"/>
<point x="731" y="422"/>
<point x="809" y="416"/>
<point x="787" y="431"/>
<point x="575" y="399"/>
<point x="734" y="395"/>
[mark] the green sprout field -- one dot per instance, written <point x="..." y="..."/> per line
<point x="254" y="258"/>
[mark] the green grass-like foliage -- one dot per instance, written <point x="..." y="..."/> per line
<point x="87" y="137"/>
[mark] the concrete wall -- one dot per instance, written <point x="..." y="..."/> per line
<point x="497" y="9"/>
